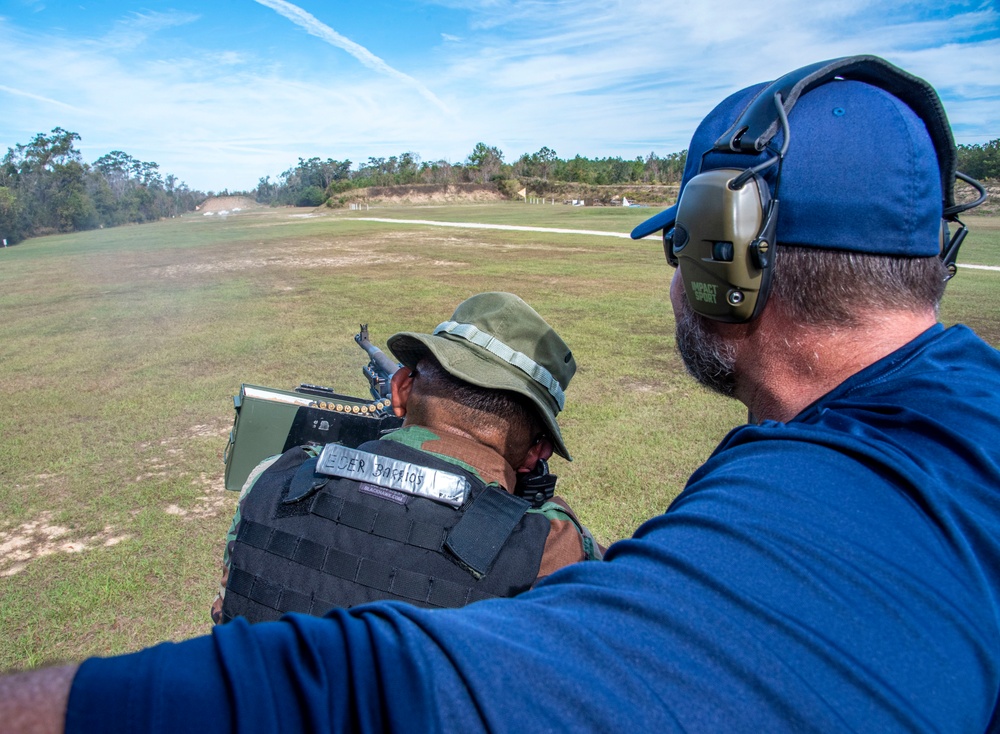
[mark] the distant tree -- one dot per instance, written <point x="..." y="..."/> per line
<point x="980" y="161"/>
<point x="148" y="175"/>
<point x="672" y="167"/>
<point x="50" y="188"/>
<point x="484" y="162"/>
<point x="107" y="204"/>
<point x="522" y="166"/>
<point x="577" y="170"/>
<point x="46" y="151"/>
<point x="266" y="191"/>
<point x="376" y="172"/>
<point x="310" y="196"/>
<point x="11" y="225"/>
<point x="35" y="172"/>
<point x="652" y="168"/>
<point x="618" y="171"/>
<point x="438" y="172"/>
<point x="408" y="168"/>
<point x="71" y="208"/>
<point x="536" y="165"/>
<point x="544" y="161"/>
<point x="116" y="168"/>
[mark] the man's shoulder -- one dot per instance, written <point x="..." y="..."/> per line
<point x="278" y="462"/>
<point x="930" y="361"/>
<point x="556" y="509"/>
<point x="256" y="473"/>
<point x="559" y="515"/>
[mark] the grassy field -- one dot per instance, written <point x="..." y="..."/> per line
<point x="121" y="349"/>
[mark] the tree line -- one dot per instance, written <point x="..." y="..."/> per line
<point x="980" y="160"/>
<point x="314" y="181"/>
<point x="46" y="187"/>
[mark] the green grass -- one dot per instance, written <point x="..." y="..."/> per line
<point x="121" y="350"/>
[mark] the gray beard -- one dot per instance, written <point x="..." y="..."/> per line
<point x="707" y="356"/>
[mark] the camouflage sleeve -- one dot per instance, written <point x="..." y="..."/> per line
<point x="234" y="528"/>
<point x="568" y="540"/>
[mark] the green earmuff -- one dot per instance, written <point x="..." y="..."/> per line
<point x="723" y="243"/>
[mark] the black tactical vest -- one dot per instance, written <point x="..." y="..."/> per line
<point x="308" y="542"/>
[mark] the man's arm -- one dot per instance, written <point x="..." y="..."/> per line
<point x="35" y="702"/>
<point x="568" y="541"/>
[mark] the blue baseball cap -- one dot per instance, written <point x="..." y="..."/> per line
<point x="860" y="173"/>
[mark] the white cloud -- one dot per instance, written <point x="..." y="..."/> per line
<point x="36" y="97"/>
<point x="132" y="31"/>
<point x="314" y="27"/>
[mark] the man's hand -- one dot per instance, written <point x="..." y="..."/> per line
<point x="35" y="702"/>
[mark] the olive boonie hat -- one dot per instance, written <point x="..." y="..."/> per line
<point x="499" y="342"/>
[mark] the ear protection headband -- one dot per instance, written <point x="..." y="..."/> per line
<point x="723" y="239"/>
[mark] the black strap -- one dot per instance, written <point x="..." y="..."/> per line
<point x="305" y="482"/>
<point x="477" y="539"/>
<point x="759" y="123"/>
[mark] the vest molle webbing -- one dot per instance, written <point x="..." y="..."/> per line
<point x="320" y="541"/>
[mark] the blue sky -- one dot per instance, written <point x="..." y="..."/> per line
<point x="223" y="92"/>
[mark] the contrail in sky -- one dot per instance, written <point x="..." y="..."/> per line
<point x="29" y="95"/>
<point x="314" y="27"/>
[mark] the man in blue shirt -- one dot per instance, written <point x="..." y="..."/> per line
<point x="834" y="565"/>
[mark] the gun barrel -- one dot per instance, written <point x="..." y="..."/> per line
<point x="377" y="356"/>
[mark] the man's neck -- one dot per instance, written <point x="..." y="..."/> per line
<point x="486" y="460"/>
<point x="783" y="368"/>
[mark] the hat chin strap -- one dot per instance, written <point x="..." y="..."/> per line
<point x="523" y="362"/>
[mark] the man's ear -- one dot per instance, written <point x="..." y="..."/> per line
<point x="541" y="449"/>
<point x="401" y="384"/>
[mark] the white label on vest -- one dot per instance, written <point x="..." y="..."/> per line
<point x="361" y="466"/>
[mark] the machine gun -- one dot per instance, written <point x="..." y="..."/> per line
<point x="380" y="368"/>
<point x="270" y="421"/>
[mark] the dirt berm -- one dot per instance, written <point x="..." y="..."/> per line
<point x="227" y="204"/>
<point x="508" y="189"/>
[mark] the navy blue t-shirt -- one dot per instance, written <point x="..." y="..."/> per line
<point x="839" y="572"/>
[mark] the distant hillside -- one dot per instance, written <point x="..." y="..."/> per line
<point x="217" y="204"/>
<point x="593" y="195"/>
<point x="991" y="206"/>
<point x="458" y="193"/>
<point x="561" y="191"/>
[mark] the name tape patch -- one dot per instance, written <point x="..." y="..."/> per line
<point x="339" y="461"/>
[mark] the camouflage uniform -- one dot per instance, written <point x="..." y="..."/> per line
<point x="567" y="541"/>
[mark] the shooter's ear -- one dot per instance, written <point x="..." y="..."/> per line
<point x="541" y="449"/>
<point x="402" y="385"/>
